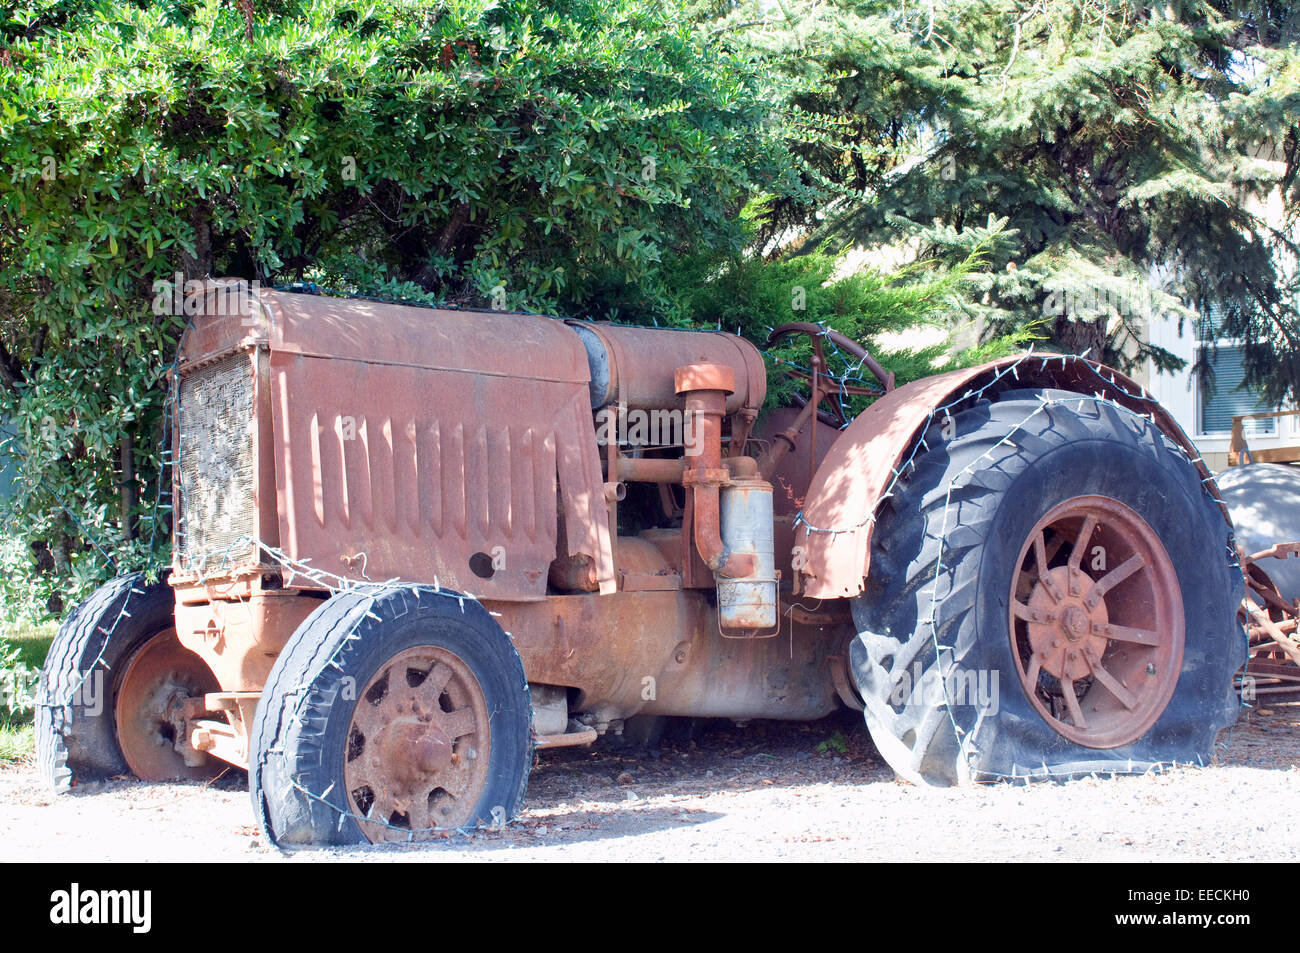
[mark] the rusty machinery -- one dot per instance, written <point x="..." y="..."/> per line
<point x="412" y="546"/>
<point x="1273" y="623"/>
<point x="1263" y="498"/>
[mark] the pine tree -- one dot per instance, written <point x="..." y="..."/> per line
<point x="1124" y="151"/>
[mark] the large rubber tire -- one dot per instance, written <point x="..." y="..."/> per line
<point x="946" y="548"/>
<point x="76" y="739"/>
<point x="300" y="731"/>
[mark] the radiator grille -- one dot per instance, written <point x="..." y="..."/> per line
<point x="216" y="463"/>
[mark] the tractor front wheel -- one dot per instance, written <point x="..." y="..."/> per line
<point x="393" y="714"/>
<point x="113" y="688"/>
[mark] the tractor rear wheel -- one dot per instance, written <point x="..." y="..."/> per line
<point x="393" y="714"/>
<point x="1052" y="592"/>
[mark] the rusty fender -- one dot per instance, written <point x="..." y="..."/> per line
<point x="834" y="534"/>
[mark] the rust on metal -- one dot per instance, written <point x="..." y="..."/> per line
<point x="398" y="442"/>
<point x="151" y="711"/>
<point x="239" y="639"/>
<point x="664" y="643"/>
<point x="1098" y="643"/>
<point x="1272" y="623"/>
<point x="642" y="566"/>
<point x="705" y="388"/>
<point x="816" y="334"/>
<point x="418" y="746"/>
<point x="822" y="387"/>
<point x="843" y="682"/>
<point x="861" y="466"/>
<point x="375" y="441"/>
<point x="568" y="739"/>
<point x="635" y="366"/>
<point x="390" y="424"/>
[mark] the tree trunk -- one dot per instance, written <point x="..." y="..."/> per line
<point x="1082" y="337"/>
<point x="127" y="451"/>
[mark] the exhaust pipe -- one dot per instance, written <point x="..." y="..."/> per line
<point x="732" y="517"/>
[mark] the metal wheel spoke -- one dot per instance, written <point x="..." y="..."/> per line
<point x="368" y="719"/>
<point x="1044" y="579"/>
<point x="435" y="682"/>
<point x="418" y="814"/>
<point x="382" y="808"/>
<point x="1113" y="578"/>
<point x="1125" y="633"/>
<point x="409" y="700"/>
<point x="1022" y="611"/>
<point x="1072" y="703"/>
<point x="1110" y="682"/>
<point x="459" y="722"/>
<point x="1035" y="666"/>
<point x="1081" y="541"/>
<point x="455" y="780"/>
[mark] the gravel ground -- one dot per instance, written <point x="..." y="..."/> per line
<point x="764" y="792"/>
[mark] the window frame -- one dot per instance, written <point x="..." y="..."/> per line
<point x="1284" y="427"/>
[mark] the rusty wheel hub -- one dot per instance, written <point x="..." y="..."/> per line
<point x="1097" y="622"/>
<point x="149" y="709"/>
<point x="1064" y="633"/>
<point x="418" y="746"/>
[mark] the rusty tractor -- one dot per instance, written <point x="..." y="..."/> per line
<point x="413" y="546"/>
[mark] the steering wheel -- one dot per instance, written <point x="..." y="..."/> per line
<point x="825" y="384"/>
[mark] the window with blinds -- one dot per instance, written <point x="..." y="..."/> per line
<point x="1226" y="398"/>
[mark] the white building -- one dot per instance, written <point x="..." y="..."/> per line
<point x="1206" y="415"/>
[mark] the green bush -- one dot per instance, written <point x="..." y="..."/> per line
<point x="592" y="158"/>
<point x="23" y="648"/>
<point x="558" y="156"/>
<point x="17" y="684"/>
